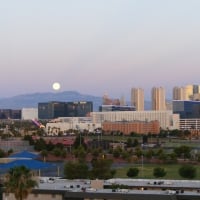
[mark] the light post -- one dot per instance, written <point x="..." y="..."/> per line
<point x="80" y="137"/>
<point x="142" y="164"/>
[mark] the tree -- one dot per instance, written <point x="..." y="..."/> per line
<point x="159" y="172"/>
<point x="29" y="138"/>
<point x="44" y="154"/>
<point x="132" y="172"/>
<point x="161" y="154"/>
<point x="95" y="153"/>
<point x="126" y="155"/>
<point x="2" y="153"/>
<point x="76" y="170"/>
<point x="138" y="152"/>
<point x="80" y="153"/>
<point x="57" y="152"/>
<point x="187" y="171"/>
<point x="149" y="154"/>
<point x="183" y="151"/>
<point x="129" y="142"/>
<point x="135" y="142"/>
<point x="117" y="152"/>
<point x="19" y="181"/>
<point x="63" y="153"/>
<point x="101" y="168"/>
<point x="40" y="144"/>
<point x="79" y="141"/>
<point x="10" y="151"/>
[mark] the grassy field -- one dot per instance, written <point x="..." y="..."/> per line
<point x="147" y="171"/>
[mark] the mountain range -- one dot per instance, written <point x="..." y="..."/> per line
<point x="32" y="100"/>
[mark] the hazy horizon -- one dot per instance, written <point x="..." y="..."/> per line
<point x="98" y="47"/>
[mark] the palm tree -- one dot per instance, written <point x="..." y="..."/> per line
<point x="19" y="181"/>
<point x="44" y="154"/>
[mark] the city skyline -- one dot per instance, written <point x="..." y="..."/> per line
<point x="98" y="47"/>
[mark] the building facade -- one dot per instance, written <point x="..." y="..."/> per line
<point x="64" y="124"/>
<point x="54" y="109"/>
<point x="10" y="114"/>
<point x="186" y="93"/>
<point x="51" y="110"/>
<point x="187" y="109"/>
<point x="167" y="119"/>
<point x="189" y="112"/>
<point x="179" y="93"/>
<point x="79" y="109"/>
<point x="158" y="98"/>
<point x="139" y="127"/>
<point x="137" y="98"/>
<point x="29" y="113"/>
<point x="190" y="124"/>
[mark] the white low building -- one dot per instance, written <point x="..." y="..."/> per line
<point x="63" y="124"/>
<point x="167" y="119"/>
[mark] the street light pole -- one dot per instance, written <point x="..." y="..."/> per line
<point x="142" y="165"/>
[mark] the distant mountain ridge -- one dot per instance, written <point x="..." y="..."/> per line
<point x="32" y="100"/>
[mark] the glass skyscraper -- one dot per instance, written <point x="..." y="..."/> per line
<point x="55" y="109"/>
<point x="187" y="109"/>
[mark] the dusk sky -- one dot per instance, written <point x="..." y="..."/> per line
<point x="98" y="46"/>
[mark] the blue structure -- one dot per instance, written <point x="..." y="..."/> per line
<point x="28" y="160"/>
<point x="30" y="164"/>
<point x="187" y="109"/>
<point x="24" y="155"/>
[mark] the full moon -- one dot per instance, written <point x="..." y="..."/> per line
<point x="56" y="86"/>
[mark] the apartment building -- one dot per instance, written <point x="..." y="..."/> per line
<point x="137" y="98"/>
<point x="158" y="98"/>
<point x="179" y="93"/>
<point x="185" y="93"/>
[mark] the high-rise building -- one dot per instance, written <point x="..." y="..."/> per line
<point x="51" y="110"/>
<point x="137" y="98"/>
<point x="188" y="92"/>
<point x="122" y="101"/>
<point x="109" y="101"/>
<point x="179" y="93"/>
<point x="158" y="98"/>
<point x="79" y="109"/>
<point x="196" y="89"/>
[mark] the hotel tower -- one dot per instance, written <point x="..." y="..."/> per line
<point x="158" y="98"/>
<point x="186" y="93"/>
<point x="137" y="98"/>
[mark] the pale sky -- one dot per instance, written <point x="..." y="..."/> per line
<point x="98" y="46"/>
